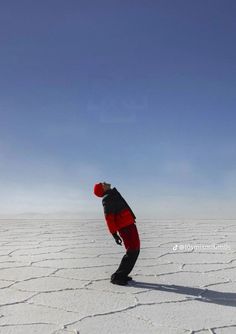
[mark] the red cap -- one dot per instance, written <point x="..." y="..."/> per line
<point x="98" y="189"/>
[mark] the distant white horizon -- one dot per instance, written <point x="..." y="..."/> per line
<point x="149" y="202"/>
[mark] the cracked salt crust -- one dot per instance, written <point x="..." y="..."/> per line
<point x="54" y="279"/>
<point x="28" y="328"/>
<point x="47" y="284"/>
<point x="124" y="323"/>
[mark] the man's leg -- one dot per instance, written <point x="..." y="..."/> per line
<point x="127" y="263"/>
<point x="130" y="237"/>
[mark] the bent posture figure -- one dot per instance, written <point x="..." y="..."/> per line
<point x="120" y="218"/>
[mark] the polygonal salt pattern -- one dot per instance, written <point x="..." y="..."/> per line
<point x="55" y="278"/>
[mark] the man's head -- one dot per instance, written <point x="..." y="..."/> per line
<point x="106" y="186"/>
<point x="101" y="188"/>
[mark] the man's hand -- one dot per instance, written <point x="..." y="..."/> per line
<point x="117" y="238"/>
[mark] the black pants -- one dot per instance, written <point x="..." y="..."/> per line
<point x="126" y="265"/>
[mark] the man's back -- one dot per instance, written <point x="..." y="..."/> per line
<point x="117" y="212"/>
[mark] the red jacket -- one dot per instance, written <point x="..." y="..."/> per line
<point x="117" y="212"/>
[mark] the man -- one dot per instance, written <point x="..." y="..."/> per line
<point x="120" y="218"/>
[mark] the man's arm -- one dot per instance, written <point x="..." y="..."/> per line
<point x="109" y="215"/>
<point x="110" y="220"/>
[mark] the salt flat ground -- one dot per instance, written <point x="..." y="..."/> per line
<point x="55" y="278"/>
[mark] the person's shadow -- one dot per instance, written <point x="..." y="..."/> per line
<point x="203" y="295"/>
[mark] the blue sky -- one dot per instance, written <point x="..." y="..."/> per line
<point x="138" y="94"/>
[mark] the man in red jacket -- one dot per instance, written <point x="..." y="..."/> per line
<point x="120" y="218"/>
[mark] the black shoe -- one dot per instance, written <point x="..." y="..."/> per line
<point x="125" y="278"/>
<point x="119" y="281"/>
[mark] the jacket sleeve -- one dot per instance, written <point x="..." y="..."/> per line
<point x="109" y="213"/>
<point x="110" y="220"/>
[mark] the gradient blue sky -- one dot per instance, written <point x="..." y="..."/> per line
<point x="140" y="94"/>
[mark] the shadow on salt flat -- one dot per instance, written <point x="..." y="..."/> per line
<point x="203" y="295"/>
